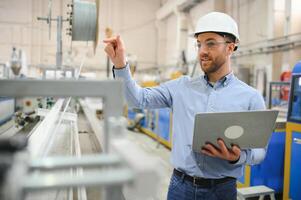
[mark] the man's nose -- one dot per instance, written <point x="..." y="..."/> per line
<point x="203" y="51"/>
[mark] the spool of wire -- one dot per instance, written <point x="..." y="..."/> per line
<point x="84" y="21"/>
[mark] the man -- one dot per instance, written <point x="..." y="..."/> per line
<point x="212" y="172"/>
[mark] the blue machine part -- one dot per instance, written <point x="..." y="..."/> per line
<point x="295" y="177"/>
<point x="295" y="99"/>
<point x="164" y="123"/>
<point x="131" y="114"/>
<point x="7" y="109"/>
<point x="242" y="179"/>
<point x="294" y="111"/>
<point x="297" y="68"/>
<point x="270" y="171"/>
<point x="150" y="120"/>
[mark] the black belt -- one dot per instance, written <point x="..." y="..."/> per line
<point x="203" y="182"/>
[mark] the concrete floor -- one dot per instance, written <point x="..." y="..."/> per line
<point x="153" y="148"/>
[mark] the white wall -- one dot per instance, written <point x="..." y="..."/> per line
<point x="295" y="55"/>
<point x="138" y="28"/>
<point x="15" y="26"/>
<point x="253" y="22"/>
<point x="133" y="19"/>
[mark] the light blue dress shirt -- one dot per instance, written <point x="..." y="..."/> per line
<point x="186" y="97"/>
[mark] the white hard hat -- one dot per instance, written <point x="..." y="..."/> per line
<point x="217" y="22"/>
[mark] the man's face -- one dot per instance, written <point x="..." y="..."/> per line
<point x="212" y="51"/>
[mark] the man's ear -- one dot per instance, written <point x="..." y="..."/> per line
<point x="231" y="48"/>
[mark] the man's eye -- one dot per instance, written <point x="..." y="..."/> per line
<point x="210" y="44"/>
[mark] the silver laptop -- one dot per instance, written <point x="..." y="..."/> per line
<point x="250" y="129"/>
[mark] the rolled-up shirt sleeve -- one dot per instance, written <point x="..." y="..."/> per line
<point x="251" y="156"/>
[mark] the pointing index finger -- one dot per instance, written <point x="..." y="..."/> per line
<point x="110" y="40"/>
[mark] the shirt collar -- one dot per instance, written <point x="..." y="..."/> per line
<point x="222" y="82"/>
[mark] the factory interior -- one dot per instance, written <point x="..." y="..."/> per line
<point x="67" y="131"/>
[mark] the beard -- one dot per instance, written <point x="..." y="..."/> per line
<point x="210" y="65"/>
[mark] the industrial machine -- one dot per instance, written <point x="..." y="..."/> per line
<point x="276" y="99"/>
<point x="118" y="168"/>
<point x="292" y="173"/>
<point x="82" y="25"/>
<point x="155" y="123"/>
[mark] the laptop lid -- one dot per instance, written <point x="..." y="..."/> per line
<point x="250" y="129"/>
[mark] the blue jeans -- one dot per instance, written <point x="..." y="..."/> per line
<point x="180" y="189"/>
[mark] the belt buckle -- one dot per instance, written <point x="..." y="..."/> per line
<point x="194" y="180"/>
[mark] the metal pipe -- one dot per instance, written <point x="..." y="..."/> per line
<point x="81" y="192"/>
<point x="63" y="162"/>
<point x="283" y="43"/>
<point x="70" y="191"/>
<point x="107" y="177"/>
<point x="287" y="30"/>
<point x="287" y="22"/>
<point x="66" y="88"/>
<point x="59" y="51"/>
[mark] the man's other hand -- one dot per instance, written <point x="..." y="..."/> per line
<point x="231" y="154"/>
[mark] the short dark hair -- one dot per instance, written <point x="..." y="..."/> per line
<point x="228" y="36"/>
